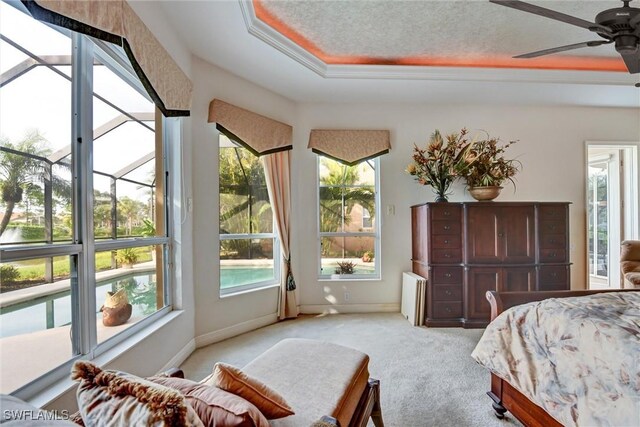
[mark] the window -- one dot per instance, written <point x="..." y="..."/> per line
<point x="348" y="228"/>
<point x="78" y="221"/>
<point x="248" y="243"/>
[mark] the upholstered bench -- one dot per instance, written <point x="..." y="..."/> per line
<point x="319" y="379"/>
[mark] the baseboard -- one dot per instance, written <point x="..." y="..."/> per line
<point x="349" y="308"/>
<point x="182" y="355"/>
<point x="232" y="331"/>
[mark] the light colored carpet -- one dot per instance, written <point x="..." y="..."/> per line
<point x="427" y="376"/>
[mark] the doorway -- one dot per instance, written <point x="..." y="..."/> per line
<point x="612" y="184"/>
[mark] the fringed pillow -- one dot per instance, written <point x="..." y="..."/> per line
<point x="114" y="399"/>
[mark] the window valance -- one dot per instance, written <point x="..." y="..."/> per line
<point x="259" y="134"/>
<point x="116" y="22"/>
<point x="350" y="146"/>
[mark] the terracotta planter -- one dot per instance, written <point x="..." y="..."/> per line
<point x="484" y="194"/>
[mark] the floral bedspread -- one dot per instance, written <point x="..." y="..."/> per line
<point x="578" y="358"/>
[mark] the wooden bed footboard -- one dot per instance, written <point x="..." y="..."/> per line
<point x="504" y="396"/>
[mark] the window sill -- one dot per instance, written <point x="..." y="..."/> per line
<point x="66" y="385"/>
<point x="346" y="278"/>
<point x="233" y="293"/>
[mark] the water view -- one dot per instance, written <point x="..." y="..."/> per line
<point x="52" y="311"/>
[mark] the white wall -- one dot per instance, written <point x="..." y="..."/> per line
<point x="551" y="148"/>
<point x="216" y="317"/>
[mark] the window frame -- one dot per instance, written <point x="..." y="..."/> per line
<point x="83" y="247"/>
<point x="376" y="233"/>
<point x="244" y="236"/>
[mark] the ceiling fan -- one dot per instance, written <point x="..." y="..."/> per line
<point x="620" y="25"/>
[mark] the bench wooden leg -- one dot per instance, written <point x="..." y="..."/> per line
<point x="376" y="414"/>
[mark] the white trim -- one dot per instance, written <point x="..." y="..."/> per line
<point x="273" y="38"/>
<point x="269" y="35"/>
<point x="233" y="330"/>
<point x="181" y="356"/>
<point x="350" y="308"/>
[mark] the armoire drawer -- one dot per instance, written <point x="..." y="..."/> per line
<point x="553" y="274"/>
<point x="446" y="256"/>
<point x="448" y="212"/>
<point x="452" y="228"/>
<point x="446" y="275"/>
<point x="447" y="309"/>
<point x="553" y="241"/>
<point x="446" y="241"/>
<point x="446" y="293"/>
<point x="553" y="255"/>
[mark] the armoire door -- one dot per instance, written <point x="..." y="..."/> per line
<point x="518" y="279"/>
<point x="516" y="233"/>
<point x="482" y="240"/>
<point x="478" y="281"/>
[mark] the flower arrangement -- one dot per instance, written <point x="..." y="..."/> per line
<point x="442" y="162"/>
<point x="490" y="167"/>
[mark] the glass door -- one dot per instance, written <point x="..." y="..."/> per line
<point x="598" y="219"/>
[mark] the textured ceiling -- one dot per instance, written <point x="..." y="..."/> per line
<point x="467" y="33"/>
<point x="220" y="33"/>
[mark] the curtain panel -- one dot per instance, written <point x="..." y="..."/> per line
<point x="116" y="22"/>
<point x="259" y="134"/>
<point x="277" y="171"/>
<point x="350" y="146"/>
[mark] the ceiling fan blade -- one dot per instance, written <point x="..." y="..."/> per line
<point x="632" y="61"/>
<point x="562" y="49"/>
<point x="552" y="14"/>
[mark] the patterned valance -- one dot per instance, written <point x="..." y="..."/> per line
<point x="259" y="134"/>
<point x="116" y="22"/>
<point x="350" y="146"/>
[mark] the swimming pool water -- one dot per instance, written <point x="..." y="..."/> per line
<point x="231" y="276"/>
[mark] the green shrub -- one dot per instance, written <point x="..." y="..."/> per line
<point x="127" y="256"/>
<point x="8" y="273"/>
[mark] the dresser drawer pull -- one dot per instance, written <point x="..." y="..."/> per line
<point x="446" y="242"/>
<point x="447" y="255"/>
<point x="552" y="240"/>
<point x="500" y="234"/>
<point x="552" y="254"/>
<point x="446" y="227"/>
<point x="447" y="274"/>
<point x="447" y="292"/>
<point x="552" y="227"/>
<point x="446" y="213"/>
<point x="447" y="309"/>
<point x="554" y="275"/>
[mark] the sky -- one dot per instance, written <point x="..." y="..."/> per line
<point x="41" y="99"/>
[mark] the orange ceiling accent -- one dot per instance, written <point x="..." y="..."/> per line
<point x="554" y="62"/>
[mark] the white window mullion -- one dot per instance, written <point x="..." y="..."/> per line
<point x="83" y="317"/>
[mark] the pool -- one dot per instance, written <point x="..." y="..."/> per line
<point x="231" y="276"/>
<point x="52" y="311"/>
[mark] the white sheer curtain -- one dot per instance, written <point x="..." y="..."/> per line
<point x="277" y="171"/>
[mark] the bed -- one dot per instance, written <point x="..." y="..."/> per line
<point x="556" y="358"/>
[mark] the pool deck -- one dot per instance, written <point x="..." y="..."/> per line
<point x="37" y="291"/>
<point x="21" y="356"/>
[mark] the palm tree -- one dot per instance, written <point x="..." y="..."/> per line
<point x="19" y="172"/>
<point x="130" y="210"/>
<point x="339" y="193"/>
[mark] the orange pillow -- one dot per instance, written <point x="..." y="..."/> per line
<point x="233" y="380"/>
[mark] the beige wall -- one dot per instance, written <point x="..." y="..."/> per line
<point x="551" y="149"/>
<point x="218" y="317"/>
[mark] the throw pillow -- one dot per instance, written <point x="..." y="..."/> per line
<point x="233" y="380"/>
<point x="214" y="406"/>
<point x="109" y="398"/>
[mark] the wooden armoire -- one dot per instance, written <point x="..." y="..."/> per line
<point x="467" y="249"/>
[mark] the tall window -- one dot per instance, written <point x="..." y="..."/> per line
<point x="349" y="228"/>
<point x="82" y="215"/>
<point x="248" y="243"/>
